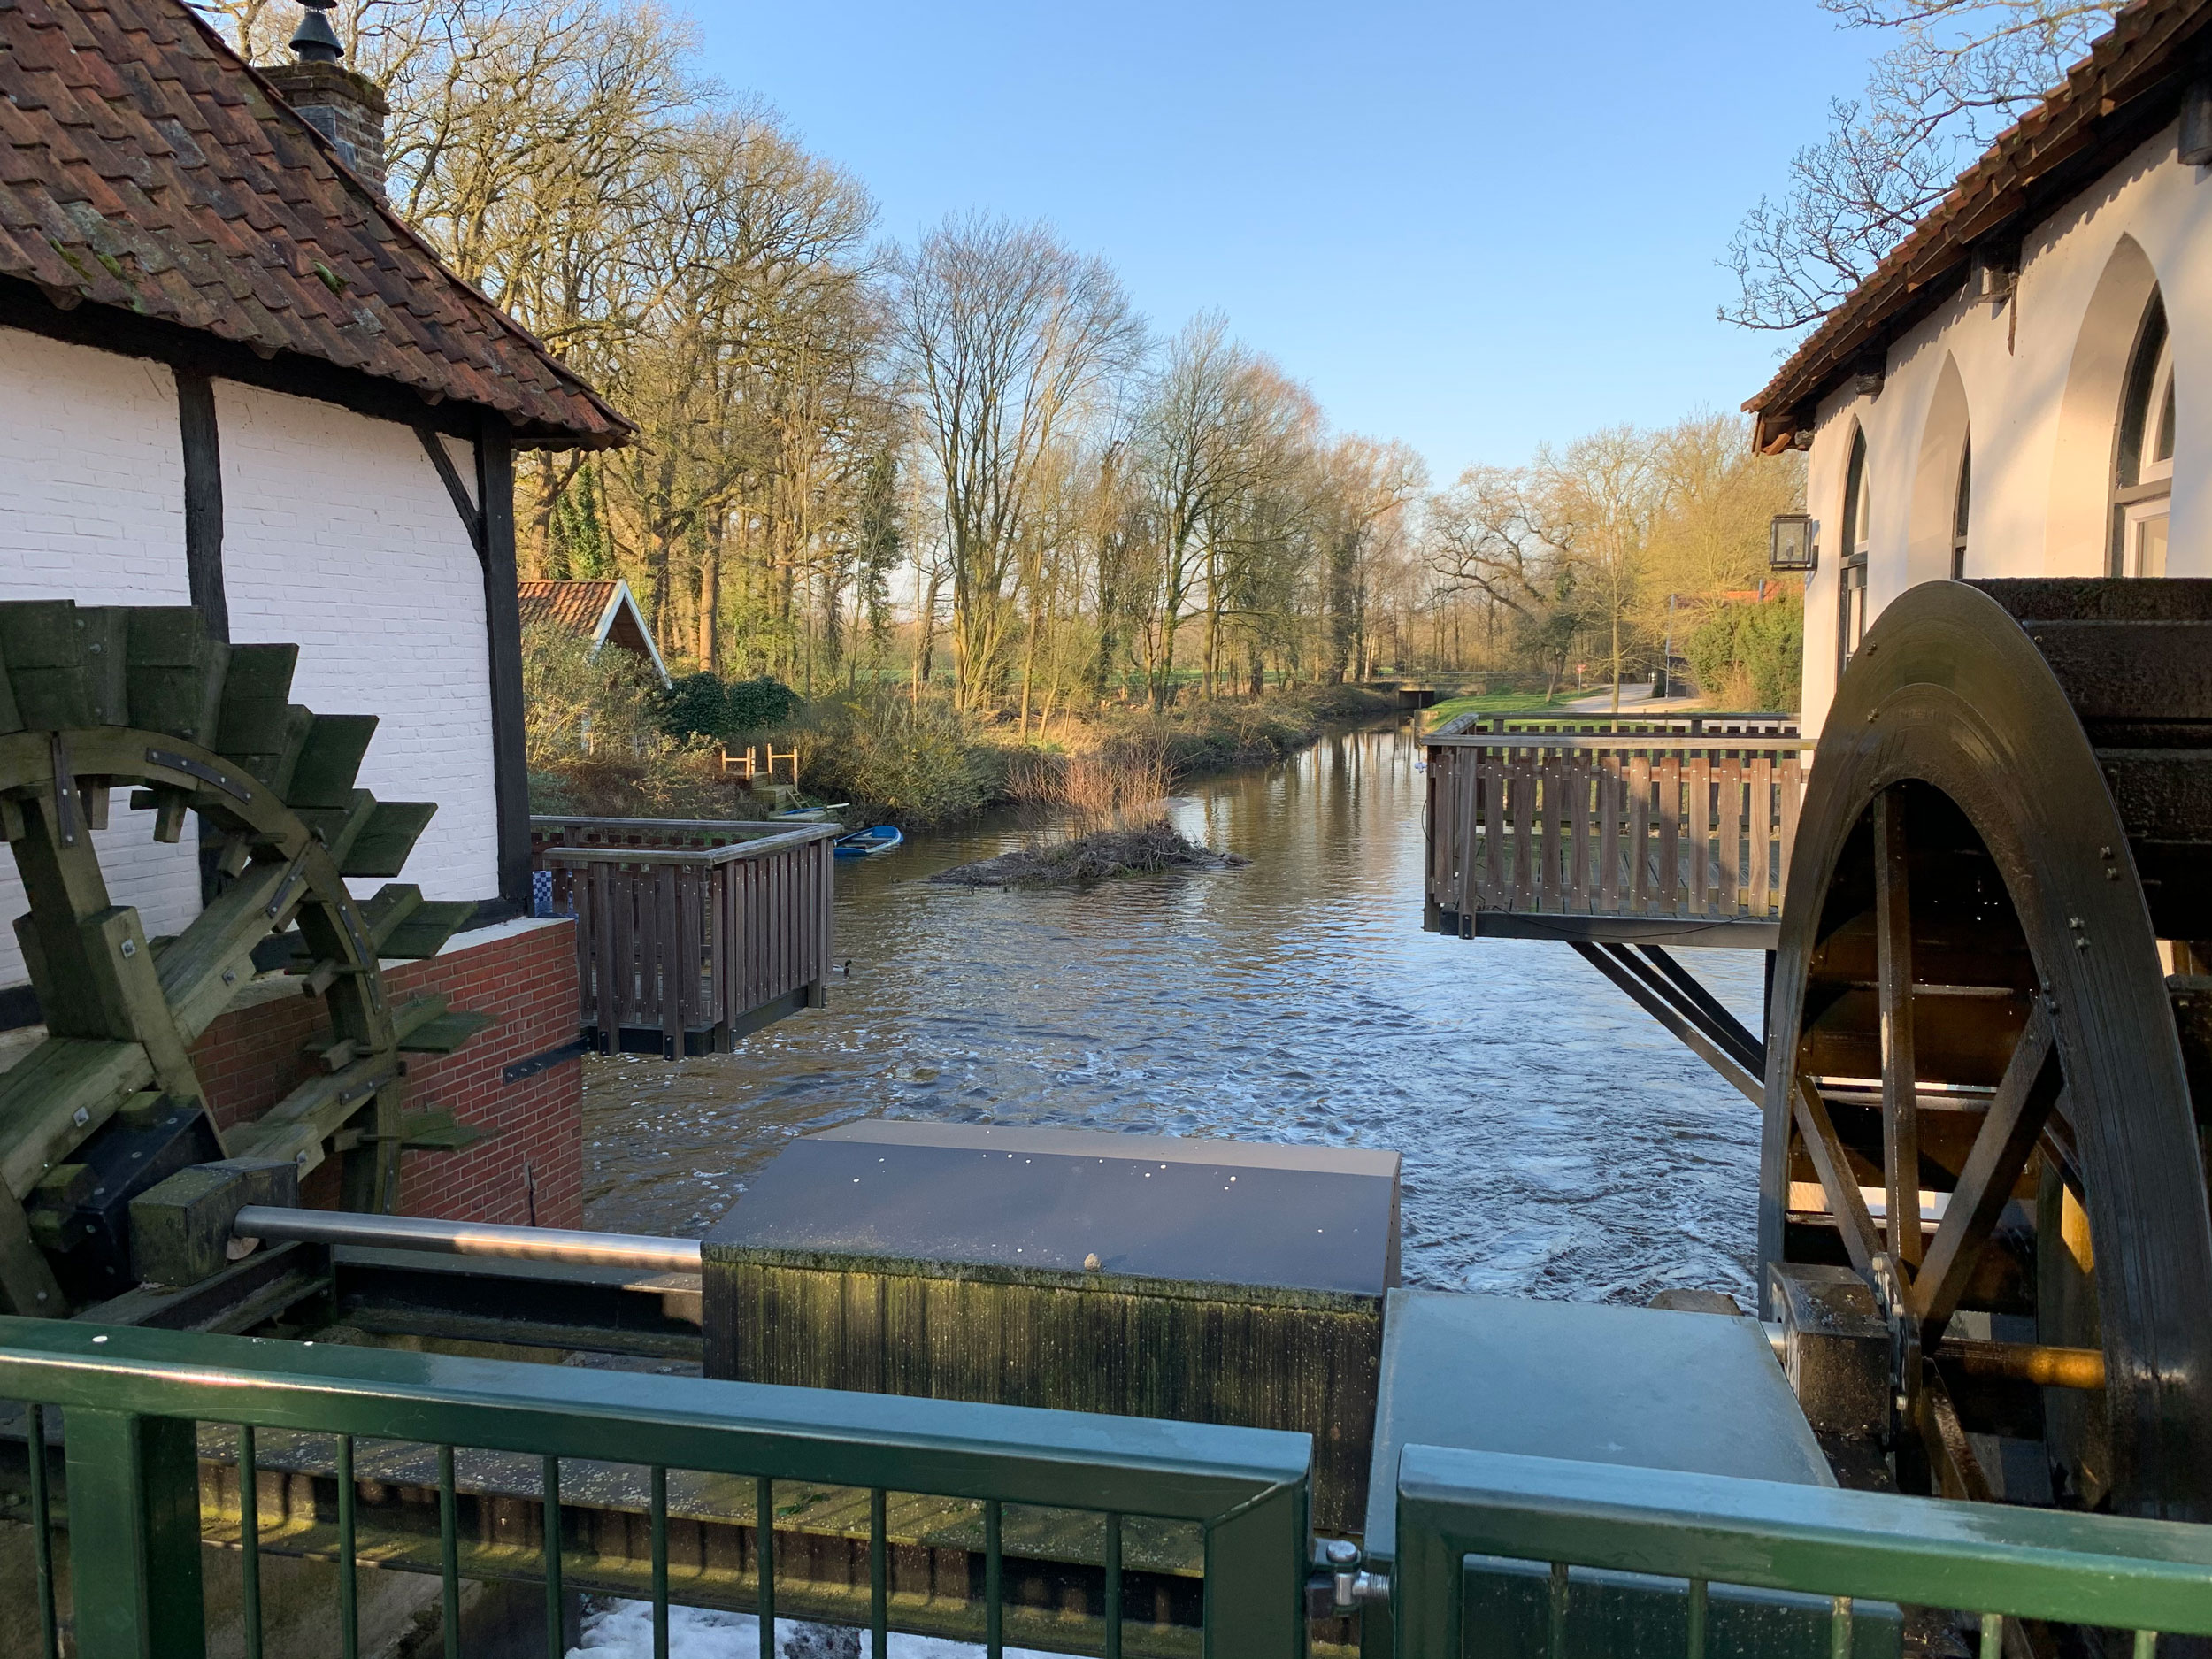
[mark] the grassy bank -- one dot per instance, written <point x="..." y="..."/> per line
<point x="1499" y="702"/>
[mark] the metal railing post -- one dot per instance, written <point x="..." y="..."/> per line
<point x="1425" y="1611"/>
<point x="1256" y="1561"/>
<point x="134" y="1536"/>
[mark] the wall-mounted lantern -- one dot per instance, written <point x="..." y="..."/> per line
<point x="1790" y="545"/>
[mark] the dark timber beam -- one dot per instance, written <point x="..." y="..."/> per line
<point x="203" y="500"/>
<point x="203" y="547"/>
<point x="472" y="520"/>
<point x="502" y="619"/>
<point x="1670" y="1011"/>
<point x="1750" y="1050"/>
<point x="109" y="328"/>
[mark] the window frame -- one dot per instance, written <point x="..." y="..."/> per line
<point x="1851" y="562"/>
<point x="2143" y="464"/>
<point x="1962" y="509"/>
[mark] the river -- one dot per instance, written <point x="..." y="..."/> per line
<point x="1556" y="1142"/>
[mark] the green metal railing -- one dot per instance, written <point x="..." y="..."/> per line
<point x="132" y="1402"/>
<point x="1999" y="1562"/>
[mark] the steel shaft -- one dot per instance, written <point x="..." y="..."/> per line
<point x="274" y="1224"/>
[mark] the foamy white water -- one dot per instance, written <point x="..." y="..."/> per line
<point x="623" y="1630"/>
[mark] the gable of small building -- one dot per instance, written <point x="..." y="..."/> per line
<point x="2033" y="372"/>
<point x="604" y="612"/>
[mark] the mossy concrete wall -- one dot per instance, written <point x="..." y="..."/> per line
<point x="1254" y="1356"/>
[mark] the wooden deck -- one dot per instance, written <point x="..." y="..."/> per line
<point x="1669" y="830"/>
<point x="690" y="934"/>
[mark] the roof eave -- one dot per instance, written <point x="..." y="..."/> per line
<point x="2122" y="92"/>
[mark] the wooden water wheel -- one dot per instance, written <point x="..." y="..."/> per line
<point x="1978" y="1077"/>
<point x="96" y="699"/>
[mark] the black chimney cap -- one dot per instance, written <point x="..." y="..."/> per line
<point x="315" y="42"/>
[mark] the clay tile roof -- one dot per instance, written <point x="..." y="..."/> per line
<point x="574" y="606"/>
<point x="144" y="167"/>
<point x="2112" y="100"/>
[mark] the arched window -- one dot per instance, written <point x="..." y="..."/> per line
<point x="1851" y="566"/>
<point x="1959" y="510"/>
<point x="2143" y="473"/>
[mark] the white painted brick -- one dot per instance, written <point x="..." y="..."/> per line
<point x="92" y="509"/>
<point x="339" y="535"/>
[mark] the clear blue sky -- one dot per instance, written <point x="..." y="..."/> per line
<point x="1474" y="226"/>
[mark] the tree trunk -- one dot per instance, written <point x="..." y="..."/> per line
<point x="1339" y="605"/>
<point x="663" y="618"/>
<point x="1617" y="662"/>
<point x="1213" y="620"/>
<point x="925" y="652"/>
<point x="1029" y="669"/>
<point x="1164" y="664"/>
<point x="548" y="482"/>
<point x="710" y="601"/>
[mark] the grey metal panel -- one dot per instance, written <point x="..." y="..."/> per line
<point x="1043" y="1200"/>
<point x="1646" y="1386"/>
<point x="1095" y="1143"/>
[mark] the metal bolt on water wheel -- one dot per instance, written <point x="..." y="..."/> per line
<point x="1978" y="1079"/>
<point x="93" y="700"/>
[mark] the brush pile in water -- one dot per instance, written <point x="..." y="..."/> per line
<point x="1144" y="850"/>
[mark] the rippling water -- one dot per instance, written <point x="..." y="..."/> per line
<point x="1556" y="1142"/>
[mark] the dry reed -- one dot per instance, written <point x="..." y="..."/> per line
<point x="1121" y="779"/>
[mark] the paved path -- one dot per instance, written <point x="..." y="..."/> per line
<point x="1635" y="699"/>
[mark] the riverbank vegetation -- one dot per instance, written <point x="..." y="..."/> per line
<point x="920" y="761"/>
<point x="1599" y="561"/>
<point x="603" y="740"/>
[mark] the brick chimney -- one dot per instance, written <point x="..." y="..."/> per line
<point x="346" y="108"/>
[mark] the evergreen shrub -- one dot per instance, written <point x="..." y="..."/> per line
<point x="1748" y="656"/>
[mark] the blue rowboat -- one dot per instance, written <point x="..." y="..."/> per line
<point x="868" y="843"/>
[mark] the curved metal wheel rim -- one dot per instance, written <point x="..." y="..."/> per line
<point x="1948" y="691"/>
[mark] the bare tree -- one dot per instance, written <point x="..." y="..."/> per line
<point x="1006" y="338"/>
<point x="1960" y="70"/>
<point x="1608" y="489"/>
<point x="1370" y="484"/>
<point x="1485" y="533"/>
<point x="1217" y="424"/>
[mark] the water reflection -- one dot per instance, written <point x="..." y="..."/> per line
<point x="1556" y="1142"/>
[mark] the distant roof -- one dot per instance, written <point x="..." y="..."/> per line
<point x="2127" y="87"/>
<point x="601" y="612"/>
<point x="144" y="167"/>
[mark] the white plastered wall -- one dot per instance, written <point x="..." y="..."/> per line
<point x="339" y="537"/>
<point x="92" y="509"/>
<point x="2041" y="460"/>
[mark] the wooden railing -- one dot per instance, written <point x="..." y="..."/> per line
<point x="1671" y="829"/>
<point x="690" y="934"/>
